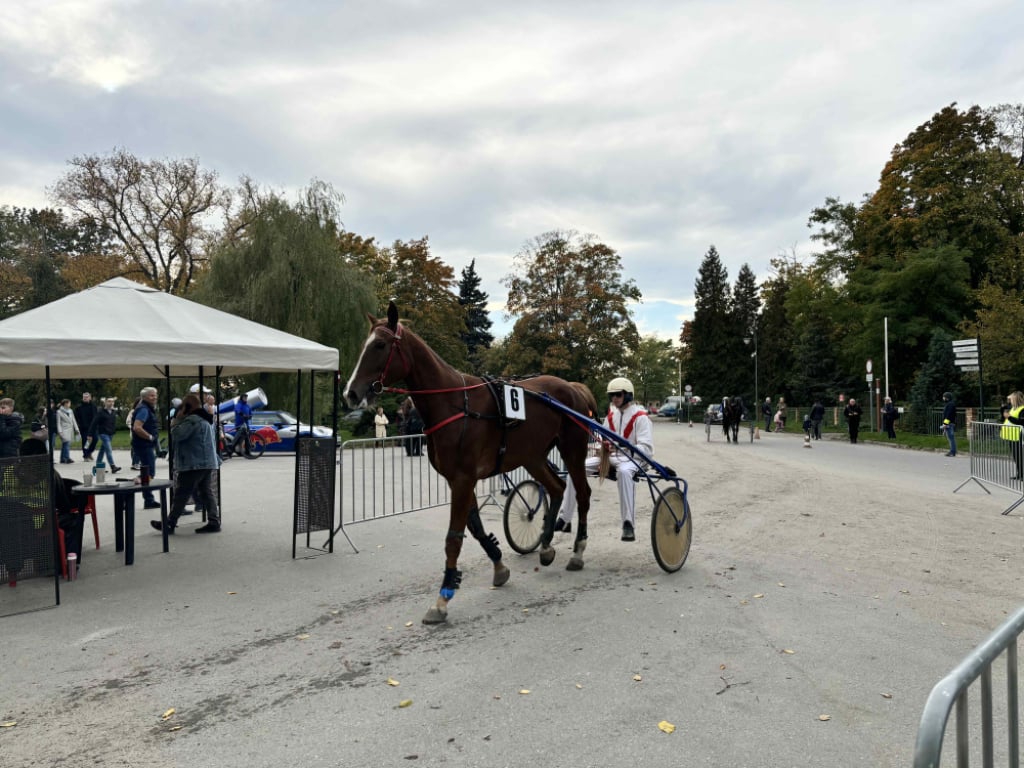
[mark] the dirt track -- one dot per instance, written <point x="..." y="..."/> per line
<point x="841" y="580"/>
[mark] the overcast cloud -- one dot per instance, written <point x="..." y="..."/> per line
<point x="660" y="127"/>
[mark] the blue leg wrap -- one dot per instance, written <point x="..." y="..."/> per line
<point x="452" y="580"/>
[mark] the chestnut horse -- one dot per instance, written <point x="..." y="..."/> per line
<point x="468" y="438"/>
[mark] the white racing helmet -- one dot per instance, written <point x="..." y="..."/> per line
<point x="621" y="384"/>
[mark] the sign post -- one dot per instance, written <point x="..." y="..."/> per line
<point x="967" y="357"/>
<point x="869" y="378"/>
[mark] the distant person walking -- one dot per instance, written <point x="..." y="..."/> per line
<point x="949" y="421"/>
<point x="853" y="412"/>
<point x="766" y="411"/>
<point x="817" y="415"/>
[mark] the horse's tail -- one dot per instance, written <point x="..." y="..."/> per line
<point x="587" y="400"/>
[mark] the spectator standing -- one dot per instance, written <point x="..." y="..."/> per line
<point x="243" y="415"/>
<point x="766" y="411"/>
<point x="85" y="414"/>
<point x="145" y="432"/>
<point x="195" y="459"/>
<point x="11" y="423"/>
<point x="104" y="426"/>
<point x="631" y="422"/>
<point x="817" y="415"/>
<point x="853" y="413"/>
<point x="781" y="409"/>
<point x="380" y="424"/>
<point x="949" y="421"/>
<point x="414" y="427"/>
<point x="889" y="418"/>
<point x="68" y="430"/>
<point x="1011" y="431"/>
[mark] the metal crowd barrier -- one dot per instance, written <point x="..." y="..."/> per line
<point x="387" y="477"/>
<point x="380" y="479"/>
<point x="953" y="690"/>
<point x="996" y="460"/>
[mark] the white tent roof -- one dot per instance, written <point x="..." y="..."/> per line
<point x="123" y="329"/>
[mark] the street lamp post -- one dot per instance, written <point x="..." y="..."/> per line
<point x="757" y="396"/>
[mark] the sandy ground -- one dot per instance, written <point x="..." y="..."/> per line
<point x="841" y="580"/>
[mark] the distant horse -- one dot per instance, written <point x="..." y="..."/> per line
<point x="469" y="438"/>
<point x="732" y="414"/>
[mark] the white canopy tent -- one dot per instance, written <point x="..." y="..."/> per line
<point x="121" y="329"/>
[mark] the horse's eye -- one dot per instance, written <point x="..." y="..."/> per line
<point x="379" y="345"/>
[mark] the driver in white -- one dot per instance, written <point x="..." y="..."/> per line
<point x="631" y="422"/>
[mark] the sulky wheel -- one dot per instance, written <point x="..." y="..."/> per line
<point x="671" y="530"/>
<point x="525" y="508"/>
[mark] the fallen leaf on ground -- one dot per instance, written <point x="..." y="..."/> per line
<point x="823" y="718"/>
<point x="759" y="594"/>
<point x="578" y="685"/>
<point x="790" y="651"/>
<point x="666" y="726"/>
<point x="168" y="713"/>
<point x="638" y="678"/>
<point x="302" y="637"/>
<point x="525" y="692"/>
<point x="175" y="728"/>
<point x="408" y="623"/>
<point x="886" y="695"/>
<point x="781" y="584"/>
<point x="9" y="724"/>
<point x="404" y="703"/>
<point x="232" y="593"/>
<point x="392" y="681"/>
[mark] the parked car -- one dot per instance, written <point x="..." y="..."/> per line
<point x="286" y="426"/>
<point x="714" y="413"/>
<point x="354" y="417"/>
<point x="669" y="410"/>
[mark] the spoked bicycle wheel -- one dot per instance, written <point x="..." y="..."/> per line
<point x="257" y="445"/>
<point x="671" y="530"/>
<point x="525" y="508"/>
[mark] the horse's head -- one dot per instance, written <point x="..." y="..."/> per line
<point x="381" y="362"/>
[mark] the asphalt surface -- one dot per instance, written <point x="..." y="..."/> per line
<point x="837" y="582"/>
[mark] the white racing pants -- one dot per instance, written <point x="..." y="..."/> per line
<point x="624" y="469"/>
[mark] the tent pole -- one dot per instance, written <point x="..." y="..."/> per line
<point x="50" y="472"/>
<point x="295" y="492"/>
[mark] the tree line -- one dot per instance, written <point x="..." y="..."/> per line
<point x="936" y="249"/>
<point x="936" y="253"/>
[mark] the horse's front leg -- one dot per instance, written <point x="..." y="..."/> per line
<point x="462" y="500"/>
<point x="583" y="507"/>
<point x="489" y="542"/>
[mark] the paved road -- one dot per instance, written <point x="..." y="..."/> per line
<point x="841" y="580"/>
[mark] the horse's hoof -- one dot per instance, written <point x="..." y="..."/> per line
<point x="501" y="575"/>
<point x="547" y="556"/>
<point x="575" y="564"/>
<point x="435" y="616"/>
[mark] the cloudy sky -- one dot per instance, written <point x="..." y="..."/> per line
<point x="659" y="127"/>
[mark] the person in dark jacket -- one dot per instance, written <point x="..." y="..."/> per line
<point x="766" y="411"/>
<point x="853" y="413"/>
<point x="817" y="416"/>
<point x="949" y="421"/>
<point x="85" y="414"/>
<point x="103" y="426"/>
<point x="889" y="418"/>
<point x="11" y="423"/>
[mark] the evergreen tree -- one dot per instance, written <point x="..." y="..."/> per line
<point x="937" y="375"/>
<point x="712" y="331"/>
<point x="477" y="336"/>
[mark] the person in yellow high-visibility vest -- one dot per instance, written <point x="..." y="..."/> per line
<point x="1011" y="431"/>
